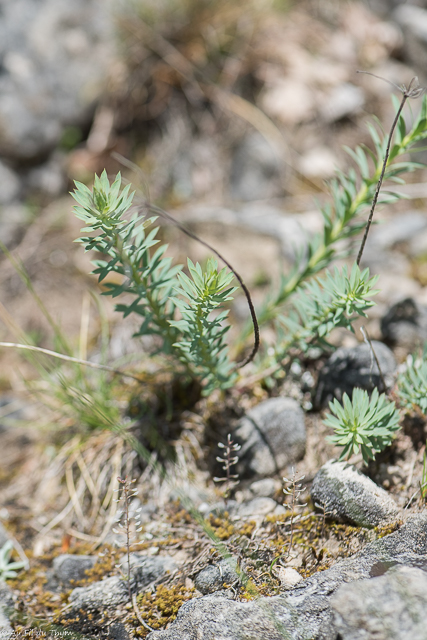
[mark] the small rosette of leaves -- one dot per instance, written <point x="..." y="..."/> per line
<point x="201" y="298"/>
<point x="8" y="569"/>
<point x="412" y="384"/>
<point x="364" y="423"/>
<point x="326" y="303"/>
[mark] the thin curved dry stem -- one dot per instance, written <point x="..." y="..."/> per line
<point x="61" y="356"/>
<point x="74" y="496"/>
<point x="148" y="206"/>
<point x="412" y="91"/>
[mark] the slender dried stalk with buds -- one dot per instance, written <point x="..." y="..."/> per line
<point x="229" y="460"/>
<point x="128" y="492"/>
<point x="294" y="489"/>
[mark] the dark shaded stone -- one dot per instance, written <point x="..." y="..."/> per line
<point x="117" y="631"/>
<point x="351" y="367"/>
<point x="272" y="435"/>
<point x="212" y="578"/>
<point x="405" y="324"/>
<point x="413" y="22"/>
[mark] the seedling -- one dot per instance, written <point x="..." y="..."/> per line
<point x="362" y="423"/>
<point x="8" y="569"/>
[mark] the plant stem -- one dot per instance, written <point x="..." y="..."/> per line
<point x="125" y="484"/>
<point x="406" y="95"/>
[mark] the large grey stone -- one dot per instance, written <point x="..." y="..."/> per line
<point x="106" y="593"/>
<point x="351" y="367"/>
<point x="215" y="617"/>
<point x="390" y="607"/>
<point x="147" y="569"/>
<point x="304" y="612"/>
<point x="56" y="56"/>
<point x="212" y="578"/>
<point x="272" y="435"/>
<point x="68" y="568"/>
<point x="348" y="495"/>
<point x="113" y="591"/>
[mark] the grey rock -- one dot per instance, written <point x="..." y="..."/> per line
<point x="272" y="435"/>
<point x="265" y="488"/>
<point x="385" y="7"/>
<point x="288" y="577"/>
<point x="187" y="493"/>
<point x="50" y="177"/>
<point x="99" y="595"/>
<point x="273" y="222"/>
<point x="390" y="607"/>
<point x="10" y="185"/>
<point x="413" y="22"/>
<point x="56" y="56"/>
<point x="114" y="591"/>
<point x="405" y="324"/>
<point x="218" y="508"/>
<point x="194" y="164"/>
<point x="351" y="367"/>
<point x="318" y="162"/>
<point x="147" y="569"/>
<point x="304" y="612"/>
<point x="385" y="261"/>
<point x="212" y="578"/>
<point x="400" y="229"/>
<point x="260" y="506"/>
<point x="256" y="169"/>
<point x="68" y="568"/>
<point x="352" y="497"/>
<point x="344" y="100"/>
<point x="6" y="630"/>
<point x="117" y="631"/>
<point x="215" y="617"/>
<point x="147" y="512"/>
<point x="257" y="507"/>
<point x="7" y="601"/>
<point x="12" y="222"/>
